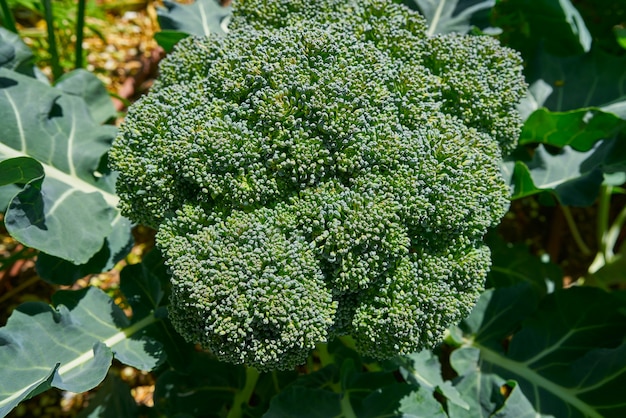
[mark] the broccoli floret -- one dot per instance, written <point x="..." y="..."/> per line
<point x="324" y="169"/>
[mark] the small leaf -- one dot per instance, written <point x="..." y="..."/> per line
<point x="168" y="38"/>
<point x="200" y="18"/>
<point x="70" y="347"/>
<point x="20" y="170"/>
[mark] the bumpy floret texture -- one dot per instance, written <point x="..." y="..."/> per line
<point x="324" y="169"/>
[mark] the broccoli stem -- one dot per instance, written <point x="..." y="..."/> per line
<point x="607" y="235"/>
<point x="243" y="396"/>
<point x="571" y="223"/>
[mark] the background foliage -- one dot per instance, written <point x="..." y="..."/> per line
<point x="547" y="338"/>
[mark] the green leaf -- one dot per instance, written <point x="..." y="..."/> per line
<point x="86" y="85"/>
<point x="614" y="271"/>
<point x="555" y="24"/>
<point x="447" y="16"/>
<point x="14" y="54"/>
<point x="168" y="38"/>
<point x="423" y="370"/>
<point x="112" y="400"/>
<point x="580" y="128"/>
<point x="620" y="35"/>
<point x="319" y="403"/>
<point x="400" y="400"/>
<point x="499" y="312"/>
<point x="116" y="246"/>
<point x="574" y="177"/>
<point x="70" y="347"/>
<point x="513" y="264"/>
<point x="20" y="170"/>
<point x="568" y="356"/>
<point x="595" y="79"/>
<point x="200" y="18"/>
<point x="75" y="202"/>
<point x="484" y="391"/>
<point x="142" y="284"/>
<point x="204" y="390"/>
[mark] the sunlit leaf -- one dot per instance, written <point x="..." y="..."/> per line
<point x="75" y="202"/>
<point x="69" y="347"/>
<point x="568" y="355"/>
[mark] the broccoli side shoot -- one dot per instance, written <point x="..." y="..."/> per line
<point x="324" y="169"/>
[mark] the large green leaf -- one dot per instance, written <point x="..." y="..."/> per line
<point x="593" y="79"/>
<point x="14" y="54"/>
<point x="423" y="370"/>
<point x="319" y="403"/>
<point x="112" y="400"/>
<point x="70" y="347"/>
<point x="485" y="392"/>
<point x="580" y="128"/>
<point x="513" y="263"/>
<point x="72" y="210"/>
<point x="203" y="390"/>
<point x="446" y="16"/>
<point x="86" y="85"/>
<point x="574" y="177"/>
<point x="568" y="356"/>
<point x="115" y="247"/>
<point x="555" y="24"/>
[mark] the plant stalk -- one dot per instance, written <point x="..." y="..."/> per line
<point x="80" y="29"/>
<point x="243" y="396"/>
<point x="7" y="17"/>
<point x="57" y="72"/>
<point x="571" y="223"/>
<point x="604" y="206"/>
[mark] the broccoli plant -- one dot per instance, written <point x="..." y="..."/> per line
<point x="320" y="179"/>
<point x="326" y="169"/>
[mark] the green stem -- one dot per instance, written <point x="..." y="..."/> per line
<point x="243" y="396"/>
<point x="80" y="29"/>
<point x="17" y="289"/>
<point x="604" y="251"/>
<point x="346" y="406"/>
<point x="575" y="232"/>
<point x="57" y="72"/>
<point x="614" y="231"/>
<point x="7" y="16"/>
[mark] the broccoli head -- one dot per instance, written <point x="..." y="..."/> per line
<point x="324" y="169"/>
